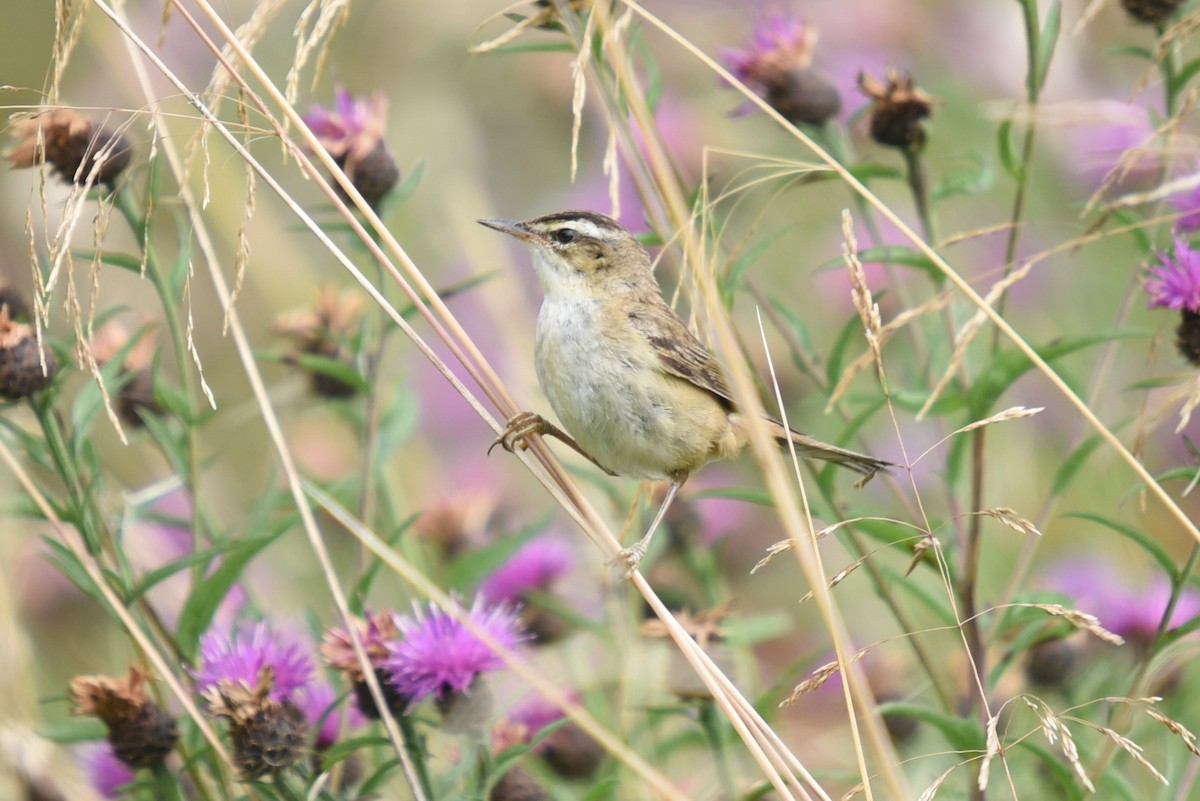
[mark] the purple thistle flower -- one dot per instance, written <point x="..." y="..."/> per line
<point x="239" y="657"/>
<point x="437" y="655"/>
<point x="105" y="772"/>
<point x="352" y="133"/>
<point x="777" y="65"/>
<point x="1099" y="588"/>
<point x="1174" y="283"/>
<point x="1189" y="203"/>
<point x="784" y="41"/>
<point x="317" y="701"/>
<point x="350" y="118"/>
<point x="534" y="566"/>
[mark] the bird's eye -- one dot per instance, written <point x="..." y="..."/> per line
<point x="564" y="236"/>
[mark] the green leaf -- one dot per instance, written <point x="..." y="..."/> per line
<point x="976" y="176"/>
<point x="170" y="442"/>
<point x="465" y="572"/>
<point x="868" y="171"/>
<point x="1187" y="72"/>
<point x="888" y="254"/>
<point x="345" y="748"/>
<point x="89" y="401"/>
<point x="377" y="779"/>
<point x="206" y="596"/>
<point x="1181" y="631"/>
<point x="751" y="630"/>
<point x="177" y="275"/>
<point x="1010" y="159"/>
<point x="757" y="496"/>
<point x="408" y="187"/>
<point x="152" y="578"/>
<point x="536" y="47"/>
<point x="1143" y="53"/>
<point x="67" y="564"/>
<point x="1047" y="41"/>
<point x="1010" y="364"/>
<point x="732" y="279"/>
<point x="1059" y="771"/>
<point x="1138" y="537"/>
<point x="362" y="587"/>
<point x="1070" y="466"/>
<point x="123" y="260"/>
<point x="837" y="356"/>
<point x="73" y="731"/>
<point x="963" y="734"/>
<point x="935" y="603"/>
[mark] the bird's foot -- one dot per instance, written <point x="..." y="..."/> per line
<point x="628" y="559"/>
<point x="518" y="427"/>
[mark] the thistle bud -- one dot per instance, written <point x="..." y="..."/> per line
<point x="140" y="732"/>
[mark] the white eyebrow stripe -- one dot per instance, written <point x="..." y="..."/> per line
<point x="589" y="229"/>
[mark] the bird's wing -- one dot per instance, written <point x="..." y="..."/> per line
<point x="678" y="350"/>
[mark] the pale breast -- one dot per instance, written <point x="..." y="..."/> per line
<point x="612" y="396"/>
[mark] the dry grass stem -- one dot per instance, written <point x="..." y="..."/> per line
<point x="1011" y="519"/>
<point x="1012" y="413"/>
<point x="929" y="792"/>
<point x="966" y="334"/>
<point x="863" y="360"/>
<point x="821" y="675"/>
<point x="1080" y="620"/>
<point x="992" y="749"/>
<point x="860" y="293"/>
<point x="839" y="577"/>
<point x="1178" y="729"/>
<point x="1134" y="750"/>
<point x="1056" y="732"/>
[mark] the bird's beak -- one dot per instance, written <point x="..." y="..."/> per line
<point x="511" y="227"/>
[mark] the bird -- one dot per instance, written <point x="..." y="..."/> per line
<point x="637" y="392"/>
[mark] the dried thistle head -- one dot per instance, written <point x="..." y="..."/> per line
<point x="326" y="329"/>
<point x="136" y="396"/>
<point x="74" y="145"/>
<point x="374" y="631"/>
<point x="268" y="735"/>
<point x="21" y="360"/>
<point x="141" y="733"/>
<point x="898" y="110"/>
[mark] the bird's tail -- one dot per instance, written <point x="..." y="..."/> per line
<point x="810" y="448"/>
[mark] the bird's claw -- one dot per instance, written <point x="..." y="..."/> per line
<point x="518" y="427"/>
<point x="629" y="558"/>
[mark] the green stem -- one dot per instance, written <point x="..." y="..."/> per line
<point x="283" y="788"/>
<point x="166" y="787"/>
<point x="414" y="745"/>
<point x="127" y="205"/>
<point x="919" y="187"/>
<point x="710" y="722"/>
<point x="1137" y="687"/>
<point x="86" y="516"/>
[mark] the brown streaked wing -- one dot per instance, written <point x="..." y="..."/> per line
<point x="680" y="352"/>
